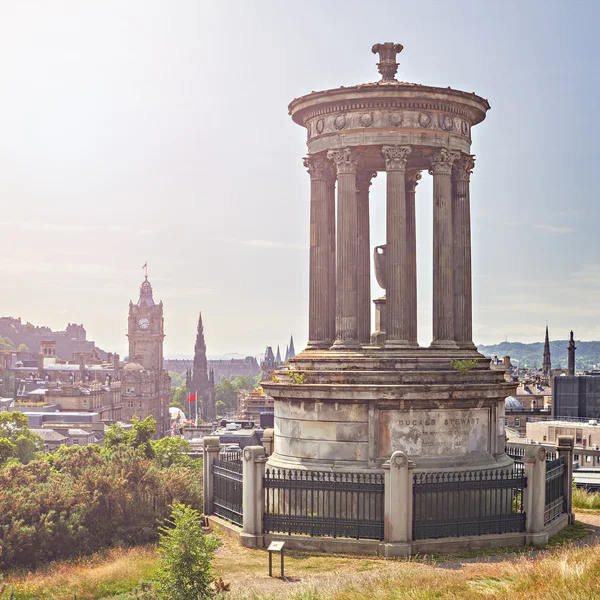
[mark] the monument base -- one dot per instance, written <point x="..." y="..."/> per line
<point x="353" y="409"/>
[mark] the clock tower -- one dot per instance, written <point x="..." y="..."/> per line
<point x="145" y="330"/>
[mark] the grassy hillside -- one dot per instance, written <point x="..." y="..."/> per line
<point x="530" y="355"/>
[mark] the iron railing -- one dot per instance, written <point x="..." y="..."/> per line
<point x="324" y="503"/>
<point x="228" y="486"/>
<point x="555" y="489"/>
<point x="468" y="503"/>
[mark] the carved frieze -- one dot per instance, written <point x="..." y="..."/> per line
<point x="424" y="119"/>
<point x="395" y="118"/>
<point x="339" y="122"/>
<point x="366" y="119"/>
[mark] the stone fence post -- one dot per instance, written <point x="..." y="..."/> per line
<point x="253" y="495"/>
<point x="564" y="447"/>
<point x="398" y="497"/>
<point x="211" y="446"/>
<point x="534" y="463"/>
<point x="268" y="441"/>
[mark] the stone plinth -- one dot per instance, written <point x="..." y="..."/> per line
<point x="354" y="409"/>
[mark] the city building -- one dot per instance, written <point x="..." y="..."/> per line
<point x="253" y="403"/>
<point x="146" y="386"/>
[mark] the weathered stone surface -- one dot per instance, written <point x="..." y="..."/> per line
<point x="434" y="432"/>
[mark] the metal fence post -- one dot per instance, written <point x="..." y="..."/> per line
<point x="534" y="463"/>
<point x="254" y="494"/>
<point x="211" y="446"/>
<point x="564" y="448"/>
<point x="398" y="505"/>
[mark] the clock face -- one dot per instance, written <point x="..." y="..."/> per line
<point x="144" y="323"/>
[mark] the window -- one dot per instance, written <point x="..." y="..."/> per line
<point x="130" y="404"/>
<point x="517" y="421"/>
<point x="75" y="442"/>
<point x="588" y="459"/>
<point x="505" y="421"/>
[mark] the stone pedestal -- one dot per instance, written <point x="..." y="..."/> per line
<point x="211" y="447"/>
<point x="378" y="336"/>
<point x="534" y="462"/>
<point x="253" y="492"/>
<point x="564" y="448"/>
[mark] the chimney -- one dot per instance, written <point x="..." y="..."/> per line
<point x="116" y="365"/>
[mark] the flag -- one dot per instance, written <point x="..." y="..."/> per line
<point x="145" y="265"/>
<point x="192" y="398"/>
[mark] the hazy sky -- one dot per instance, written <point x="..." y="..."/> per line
<point x="145" y="130"/>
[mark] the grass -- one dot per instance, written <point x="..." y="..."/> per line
<point x="562" y="572"/>
<point x="102" y="575"/>
<point x="584" y="499"/>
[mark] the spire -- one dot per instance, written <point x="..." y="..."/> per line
<point x="278" y="356"/>
<point x="200" y="374"/>
<point x="292" y="350"/>
<point x="287" y="353"/>
<point x="546" y="363"/>
<point x="571" y="351"/>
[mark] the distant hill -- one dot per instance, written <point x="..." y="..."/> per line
<point x="530" y="355"/>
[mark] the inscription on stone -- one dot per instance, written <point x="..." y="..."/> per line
<point x="433" y="432"/>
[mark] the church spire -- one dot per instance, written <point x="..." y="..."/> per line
<point x="278" y="356"/>
<point x="546" y="363"/>
<point x="571" y="350"/>
<point x="292" y="350"/>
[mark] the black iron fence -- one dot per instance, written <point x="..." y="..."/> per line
<point x="555" y="489"/>
<point x="468" y="503"/>
<point x="324" y="503"/>
<point x="228" y="486"/>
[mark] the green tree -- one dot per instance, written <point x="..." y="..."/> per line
<point x="171" y="451"/>
<point x="6" y="345"/>
<point x="139" y="437"/>
<point x="179" y="397"/>
<point x="186" y="552"/>
<point x="22" y="348"/>
<point x="18" y="440"/>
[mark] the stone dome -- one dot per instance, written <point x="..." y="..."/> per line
<point x="133" y="366"/>
<point x="512" y="402"/>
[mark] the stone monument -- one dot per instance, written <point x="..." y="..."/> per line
<point x="351" y="399"/>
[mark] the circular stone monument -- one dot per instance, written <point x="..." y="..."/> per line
<point x="351" y="398"/>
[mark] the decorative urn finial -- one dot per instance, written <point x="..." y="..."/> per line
<point x="387" y="65"/>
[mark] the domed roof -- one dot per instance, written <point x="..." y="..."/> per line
<point x="146" y="294"/>
<point x="512" y="402"/>
<point x="133" y="366"/>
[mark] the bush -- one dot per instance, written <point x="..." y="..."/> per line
<point x="584" y="499"/>
<point x="185" y="551"/>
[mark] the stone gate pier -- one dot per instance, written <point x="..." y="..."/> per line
<point x="354" y="396"/>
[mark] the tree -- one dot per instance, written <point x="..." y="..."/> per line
<point x="22" y="348"/>
<point x="171" y="451"/>
<point x="18" y="441"/>
<point x="138" y="437"/>
<point x="185" y="552"/>
<point x="6" y="345"/>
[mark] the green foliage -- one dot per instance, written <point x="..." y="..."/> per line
<point x="464" y="366"/>
<point x="16" y="439"/>
<point x="171" y="451"/>
<point x="185" y="551"/>
<point x="179" y="398"/>
<point x="81" y="499"/>
<point x="6" y="345"/>
<point x="138" y="437"/>
<point x="297" y="378"/>
<point x="177" y="379"/>
<point x="22" y="348"/>
<point x="584" y="499"/>
<point x="227" y="391"/>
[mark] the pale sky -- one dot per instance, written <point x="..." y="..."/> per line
<point x="157" y="130"/>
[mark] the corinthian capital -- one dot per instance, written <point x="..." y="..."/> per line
<point x="363" y="179"/>
<point x="344" y="160"/>
<point x="395" y="157"/>
<point x="463" y="167"/>
<point x="442" y="161"/>
<point x="412" y="178"/>
<point x="319" y="168"/>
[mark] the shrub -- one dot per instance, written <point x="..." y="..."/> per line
<point x="186" y="552"/>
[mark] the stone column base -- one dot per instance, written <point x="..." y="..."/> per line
<point x="248" y="540"/>
<point x="397" y="549"/>
<point x="536" y="539"/>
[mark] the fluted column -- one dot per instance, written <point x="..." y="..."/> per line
<point x="461" y="232"/>
<point x="346" y="316"/>
<point x="443" y="250"/>
<point x="363" y="183"/>
<point x="412" y="179"/>
<point x="322" y="268"/>
<point x="397" y="247"/>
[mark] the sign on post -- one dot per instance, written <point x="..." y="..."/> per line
<point x="275" y="547"/>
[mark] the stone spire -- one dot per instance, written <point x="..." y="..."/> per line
<point x="546" y="364"/>
<point x="571" y="350"/>
<point x="201" y="384"/>
<point x="291" y="349"/>
<point x="278" y="356"/>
